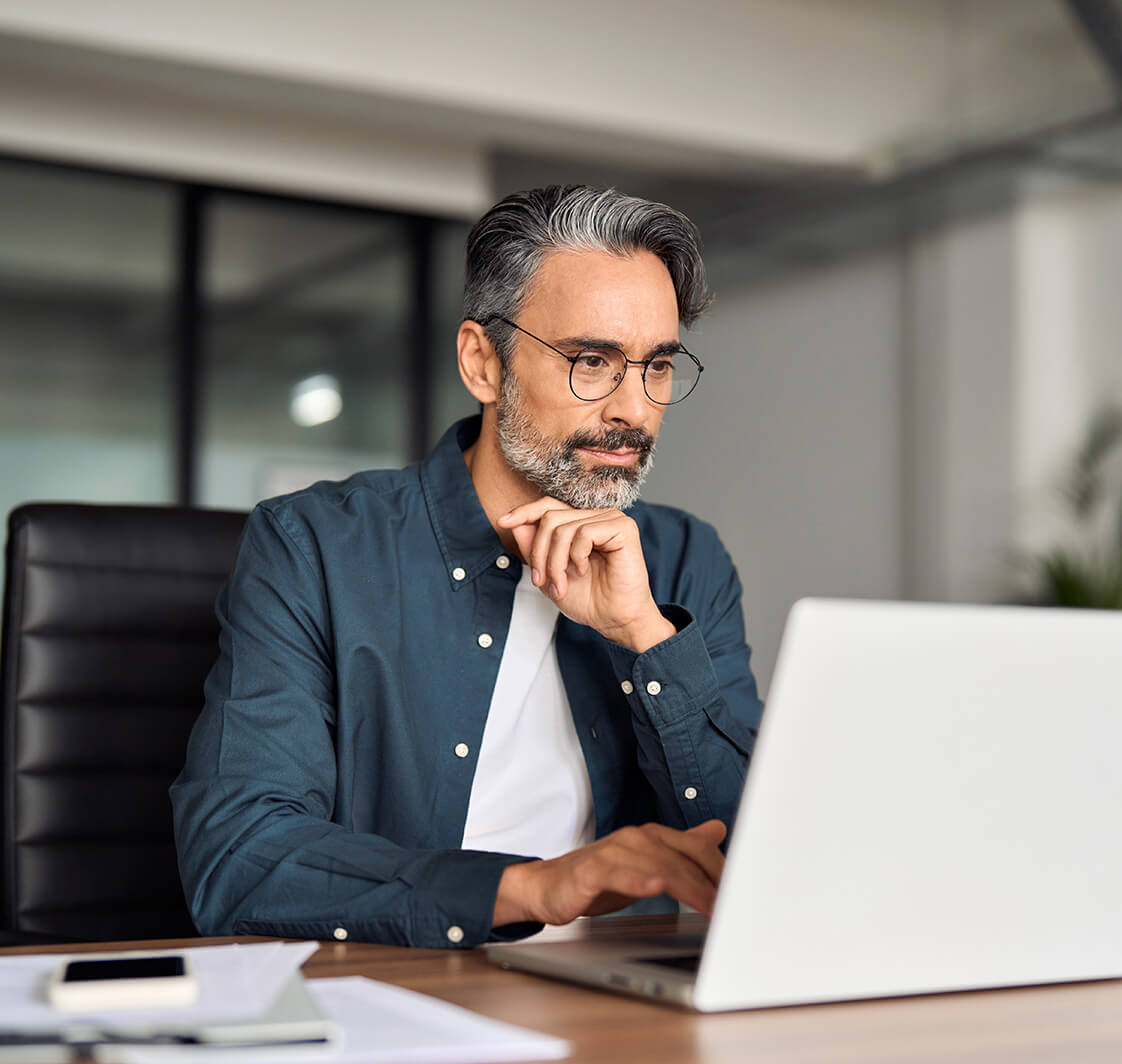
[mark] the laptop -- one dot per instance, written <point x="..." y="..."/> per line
<point x="932" y="805"/>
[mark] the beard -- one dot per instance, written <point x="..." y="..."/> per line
<point x="554" y="466"/>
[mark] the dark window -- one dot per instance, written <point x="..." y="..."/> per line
<point x="164" y="341"/>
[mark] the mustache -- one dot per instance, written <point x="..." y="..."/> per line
<point x="638" y="440"/>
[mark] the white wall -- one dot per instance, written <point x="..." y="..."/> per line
<point x="1011" y="346"/>
<point x="958" y="363"/>
<point x="1069" y="262"/>
<point x="790" y="446"/>
<point x="896" y="425"/>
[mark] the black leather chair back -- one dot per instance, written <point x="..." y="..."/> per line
<point x="109" y="632"/>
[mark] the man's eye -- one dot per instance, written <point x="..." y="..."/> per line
<point x="592" y="362"/>
<point x="660" y="367"/>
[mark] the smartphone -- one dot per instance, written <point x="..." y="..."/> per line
<point x="122" y="981"/>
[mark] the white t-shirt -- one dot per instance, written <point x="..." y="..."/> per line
<point x="531" y="794"/>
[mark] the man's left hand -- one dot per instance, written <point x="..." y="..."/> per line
<point x="590" y="563"/>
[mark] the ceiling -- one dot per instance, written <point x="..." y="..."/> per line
<point x="760" y="118"/>
<point x="717" y="88"/>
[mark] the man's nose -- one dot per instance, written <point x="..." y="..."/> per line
<point x="628" y="404"/>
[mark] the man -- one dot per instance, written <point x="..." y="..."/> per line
<point x="430" y="677"/>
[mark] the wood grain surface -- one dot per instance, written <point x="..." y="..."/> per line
<point x="1066" y="1024"/>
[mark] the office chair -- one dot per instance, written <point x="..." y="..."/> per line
<point x="109" y="632"/>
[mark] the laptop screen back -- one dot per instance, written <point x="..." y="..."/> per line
<point x="932" y="805"/>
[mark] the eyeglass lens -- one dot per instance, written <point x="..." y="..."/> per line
<point x="666" y="378"/>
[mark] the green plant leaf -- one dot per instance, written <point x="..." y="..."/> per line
<point x="1083" y="583"/>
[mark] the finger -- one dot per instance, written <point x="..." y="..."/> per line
<point x="695" y="848"/>
<point x="530" y="512"/>
<point x="712" y="829"/>
<point x="700" y="845"/>
<point x="538" y="554"/>
<point x="524" y="538"/>
<point x="532" y="541"/>
<point x="627" y="880"/>
<point x="573" y="535"/>
<point x="549" y="539"/>
<point x="684" y="881"/>
<point x="608" y="902"/>
<point x="647" y="857"/>
<point x="560" y="556"/>
<point x="634" y="862"/>
<point x="595" y="533"/>
<point x="701" y="841"/>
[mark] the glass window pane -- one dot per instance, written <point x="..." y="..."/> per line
<point x="85" y="278"/>
<point x="305" y="370"/>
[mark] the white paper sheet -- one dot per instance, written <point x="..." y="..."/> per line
<point x="382" y="1024"/>
<point x="234" y="981"/>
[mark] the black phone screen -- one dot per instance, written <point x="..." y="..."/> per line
<point x="126" y="968"/>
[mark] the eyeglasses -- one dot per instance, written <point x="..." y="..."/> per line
<point x="596" y="372"/>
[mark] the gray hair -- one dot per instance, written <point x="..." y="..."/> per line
<point x="506" y="247"/>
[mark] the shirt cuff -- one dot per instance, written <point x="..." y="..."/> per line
<point x="455" y="907"/>
<point x="673" y="678"/>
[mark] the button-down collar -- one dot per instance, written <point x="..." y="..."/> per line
<point x="467" y="541"/>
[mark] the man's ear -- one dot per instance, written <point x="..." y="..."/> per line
<point x="480" y="368"/>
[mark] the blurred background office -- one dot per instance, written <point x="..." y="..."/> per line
<point x="231" y="240"/>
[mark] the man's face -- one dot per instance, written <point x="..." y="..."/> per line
<point x="587" y="454"/>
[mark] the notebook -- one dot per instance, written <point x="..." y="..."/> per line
<point x="932" y="805"/>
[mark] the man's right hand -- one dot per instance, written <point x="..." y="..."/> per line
<point x="611" y="873"/>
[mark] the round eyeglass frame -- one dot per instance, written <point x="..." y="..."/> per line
<point x="644" y="362"/>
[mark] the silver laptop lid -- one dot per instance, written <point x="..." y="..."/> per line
<point x="933" y="805"/>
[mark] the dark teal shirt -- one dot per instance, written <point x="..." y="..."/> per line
<point x="323" y="789"/>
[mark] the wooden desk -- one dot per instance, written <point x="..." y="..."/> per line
<point x="1066" y="1024"/>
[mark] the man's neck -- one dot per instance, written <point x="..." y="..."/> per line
<point x="499" y="488"/>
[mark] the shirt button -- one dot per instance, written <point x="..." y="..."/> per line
<point x="690" y="793"/>
<point x="654" y="687"/>
<point x="340" y="933"/>
<point x="484" y="640"/>
<point x="458" y="573"/>
<point x="455" y="934"/>
<point x="461" y="749"/>
<point x="502" y="561"/>
<point x="627" y="686"/>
